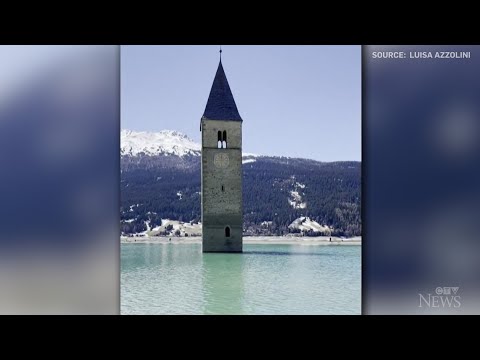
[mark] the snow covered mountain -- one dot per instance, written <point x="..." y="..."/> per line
<point x="166" y="142"/>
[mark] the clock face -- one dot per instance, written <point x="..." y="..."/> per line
<point x="221" y="160"/>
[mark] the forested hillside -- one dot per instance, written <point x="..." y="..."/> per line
<point x="276" y="191"/>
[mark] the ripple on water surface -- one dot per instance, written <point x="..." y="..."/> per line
<point x="264" y="279"/>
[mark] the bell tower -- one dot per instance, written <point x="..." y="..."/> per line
<point x="222" y="208"/>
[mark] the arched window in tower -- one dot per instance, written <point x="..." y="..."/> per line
<point x="224" y="143"/>
<point x="227" y="231"/>
<point x="219" y="141"/>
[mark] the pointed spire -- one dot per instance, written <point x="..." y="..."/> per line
<point x="220" y="53"/>
<point x="220" y="104"/>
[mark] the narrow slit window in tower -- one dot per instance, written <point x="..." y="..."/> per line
<point x="224" y="143"/>
<point x="227" y="231"/>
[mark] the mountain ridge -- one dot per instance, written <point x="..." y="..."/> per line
<point x="167" y="142"/>
<point x="173" y="142"/>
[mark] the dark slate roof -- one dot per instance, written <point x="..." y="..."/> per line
<point x="220" y="104"/>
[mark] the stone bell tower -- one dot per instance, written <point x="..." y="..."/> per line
<point x="222" y="209"/>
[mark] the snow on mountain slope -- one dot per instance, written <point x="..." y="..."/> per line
<point x="165" y="142"/>
<point x="295" y="200"/>
<point x="306" y="224"/>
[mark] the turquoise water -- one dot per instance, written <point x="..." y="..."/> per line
<point x="264" y="279"/>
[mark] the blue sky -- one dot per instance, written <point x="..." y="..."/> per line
<point x="298" y="101"/>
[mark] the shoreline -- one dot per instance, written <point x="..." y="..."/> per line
<point x="260" y="240"/>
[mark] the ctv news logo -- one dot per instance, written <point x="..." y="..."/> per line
<point x="444" y="297"/>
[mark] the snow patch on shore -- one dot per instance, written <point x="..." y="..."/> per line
<point x="306" y="224"/>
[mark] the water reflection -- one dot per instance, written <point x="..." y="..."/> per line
<point x="223" y="283"/>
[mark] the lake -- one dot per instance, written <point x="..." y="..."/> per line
<point x="167" y="278"/>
